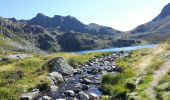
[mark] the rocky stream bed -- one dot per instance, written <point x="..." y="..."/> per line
<point x="83" y="83"/>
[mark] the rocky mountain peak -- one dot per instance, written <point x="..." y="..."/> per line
<point x="164" y="13"/>
<point x="41" y="15"/>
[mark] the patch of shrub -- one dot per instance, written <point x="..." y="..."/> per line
<point x="111" y="79"/>
<point x="11" y="76"/>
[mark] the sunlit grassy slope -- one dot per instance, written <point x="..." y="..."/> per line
<point x="18" y="76"/>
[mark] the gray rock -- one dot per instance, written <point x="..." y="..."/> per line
<point x="77" y="86"/>
<point x="83" y="96"/>
<point x="77" y="71"/>
<point x="30" y="96"/>
<point x="85" y="81"/>
<point x="56" y="76"/>
<point x="60" y="65"/>
<point x="93" y="96"/>
<point x="69" y="93"/>
<point x="45" y="98"/>
<point x="53" y="89"/>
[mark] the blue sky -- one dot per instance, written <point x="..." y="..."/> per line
<point x="120" y="14"/>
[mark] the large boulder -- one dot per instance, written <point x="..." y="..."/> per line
<point x="60" y="65"/>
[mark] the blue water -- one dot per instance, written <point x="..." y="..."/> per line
<point x="131" y="48"/>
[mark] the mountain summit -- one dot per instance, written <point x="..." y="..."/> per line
<point x="164" y="13"/>
<point x="160" y="23"/>
<point x="69" y="23"/>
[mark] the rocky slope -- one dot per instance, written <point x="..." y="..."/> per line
<point x="27" y="36"/>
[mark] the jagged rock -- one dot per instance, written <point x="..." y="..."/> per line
<point x="30" y="96"/>
<point x="56" y="76"/>
<point x="60" y="65"/>
<point x="69" y="93"/>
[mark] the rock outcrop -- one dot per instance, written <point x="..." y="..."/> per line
<point x="61" y="66"/>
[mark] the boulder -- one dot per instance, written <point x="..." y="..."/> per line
<point x="56" y="77"/>
<point x="30" y="96"/>
<point x="60" y="65"/>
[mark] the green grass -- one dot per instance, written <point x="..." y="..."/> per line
<point x="82" y="59"/>
<point x="17" y="76"/>
<point x="119" y="84"/>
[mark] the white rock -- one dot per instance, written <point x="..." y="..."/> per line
<point x="56" y="76"/>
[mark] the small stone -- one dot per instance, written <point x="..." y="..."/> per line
<point x="45" y="98"/>
<point x="93" y="96"/>
<point x="85" y="81"/>
<point x="83" y="96"/>
<point x="69" y="93"/>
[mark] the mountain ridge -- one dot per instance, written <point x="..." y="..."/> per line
<point x="69" y="23"/>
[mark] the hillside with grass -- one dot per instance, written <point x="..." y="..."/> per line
<point x="145" y="76"/>
<point x="18" y="76"/>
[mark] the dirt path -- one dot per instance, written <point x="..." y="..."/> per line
<point x="156" y="77"/>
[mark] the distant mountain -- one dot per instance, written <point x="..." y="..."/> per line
<point x="18" y="35"/>
<point x="69" y="23"/>
<point x="161" y="23"/>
